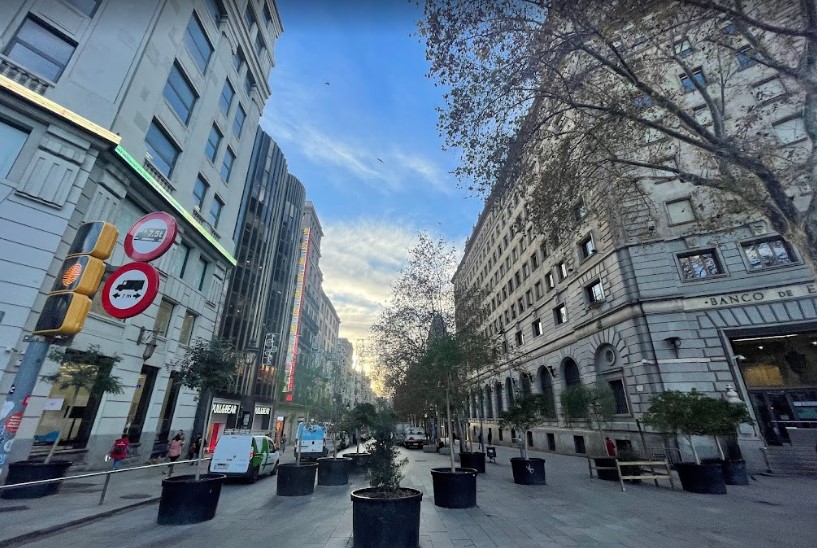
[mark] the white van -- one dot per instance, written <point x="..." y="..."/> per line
<point x="245" y="455"/>
<point x="311" y="441"/>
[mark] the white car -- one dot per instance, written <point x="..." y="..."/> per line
<point x="415" y="437"/>
<point x="245" y="455"/>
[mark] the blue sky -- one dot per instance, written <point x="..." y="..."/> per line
<point x="366" y="145"/>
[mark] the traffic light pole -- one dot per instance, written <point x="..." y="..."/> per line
<point x="12" y="410"/>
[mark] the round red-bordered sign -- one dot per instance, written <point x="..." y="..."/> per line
<point x="151" y="236"/>
<point x="130" y="290"/>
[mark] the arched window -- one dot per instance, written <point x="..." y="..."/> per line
<point x="571" y="372"/>
<point x="498" y="392"/>
<point x="546" y="385"/>
<point x="489" y="402"/>
<point x="509" y="390"/>
<point x="526" y="384"/>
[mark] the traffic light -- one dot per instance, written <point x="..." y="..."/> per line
<point x="69" y="301"/>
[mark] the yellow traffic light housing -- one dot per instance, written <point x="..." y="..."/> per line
<point x="63" y="314"/>
<point x="69" y="301"/>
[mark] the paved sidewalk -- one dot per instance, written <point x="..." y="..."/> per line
<point x="571" y="510"/>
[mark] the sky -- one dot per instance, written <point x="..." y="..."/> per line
<point x="356" y="117"/>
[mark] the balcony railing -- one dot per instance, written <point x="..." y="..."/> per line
<point x="204" y="223"/>
<point x="22" y="76"/>
<point x="159" y="176"/>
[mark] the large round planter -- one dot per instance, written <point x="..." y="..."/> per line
<point x="705" y="478"/>
<point x="380" y="522"/>
<point x="333" y="471"/>
<point x="607" y="475"/>
<point x="735" y="473"/>
<point x="185" y="500"/>
<point x="296" y="480"/>
<point x="360" y="462"/>
<point x="25" y="471"/>
<point x="473" y="459"/>
<point x="528" y="472"/>
<point x="454" y="489"/>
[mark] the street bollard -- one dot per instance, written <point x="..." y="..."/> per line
<point x="104" y="489"/>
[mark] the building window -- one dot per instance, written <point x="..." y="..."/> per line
<point x="550" y="281"/>
<point x="214" y="10"/>
<point x="201" y="275"/>
<point x="213" y="142"/>
<point x="197" y="43"/>
<point x="88" y="7"/>
<point x="529" y="297"/>
<point x="238" y="59"/>
<point x="12" y="140"/>
<point x="180" y="260"/>
<point x="768" y="90"/>
<point x="536" y="327"/>
<point x="579" y="211"/>
<point x="259" y="44"/>
<point x="747" y="57"/>
<point x="227" y="164"/>
<point x="517" y="278"/>
<point x="238" y="122"/>
<point x="227" y="94"/>
<point x="534" y="261"/>
<point x="537" y="289"/>
<point x="560" y="314"/>
<point x="586" y="247"/>
<point x="697" y="78"/>
<point x="562" y="269"/>
<point x="199" y="192"/>
<point x="680" y="211"/>
<point x="215" y="211"/>
<point x="267" y="15"/>
<point x="513" y="311"/>
<point x="179" y="93"/>
<point x="790" y="131"/>
<point x="249" y="17"/>
<point x="682" y="48"/>
<point x="594" y="292"/>
<point x="520" y="304"/>
<point x="643" y="101"/>
<point x="702" y="115"/>
<point x="700" y="264"/>
<point x="620" y="397"/>
<point x="519" y="338"/>
<point x="249" y="83"/>
<point x="163" y="316"/>
<point x="768" y="253"/>
<point x="40" y="49"/>
<point x="187" y="328"/>
<point x="525" y="271"/>
<point x="163" y="151"/>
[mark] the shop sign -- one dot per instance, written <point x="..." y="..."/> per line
<point x="262" y="410"/>
<point x="225" y="408"/>
<point x="751" y="297"/>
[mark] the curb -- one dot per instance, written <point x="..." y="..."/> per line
<point x="33" y="535"/>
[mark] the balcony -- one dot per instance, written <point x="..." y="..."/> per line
<point x="22" y="76"/>
<point x="159" y="176"/>
<point x="204" y="223"/>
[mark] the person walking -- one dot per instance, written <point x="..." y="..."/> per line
<point x="479" y="439"/>
<point x="174" y="451"/>
<point x="611" y="447"/>
<point x="490" y="437"/>
<point x="119" y="451"/>
<point x="193" y="452"/>
<point x="283" y="443"/>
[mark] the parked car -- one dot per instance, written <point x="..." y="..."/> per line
<point x="245" y="456"/>
<point x="415" y="438"/>
<point x="310" y="440"/>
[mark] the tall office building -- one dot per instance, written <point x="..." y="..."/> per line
<point x="112" y="109"/>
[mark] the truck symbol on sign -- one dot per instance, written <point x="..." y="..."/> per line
<point x="129" y="285"/>
<point x="152" y="234"/>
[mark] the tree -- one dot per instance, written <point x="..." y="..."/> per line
<point x="569" y="96"/>
<point x="595" y="405"/>
<point x="361" y="416"/>
<point x="525" y="413"/>
<point x="207" y="366"/>
<point x="89" y="370"/>
<point x="384" y="466"/>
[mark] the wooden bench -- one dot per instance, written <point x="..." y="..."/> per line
<point x="652" y="464"/>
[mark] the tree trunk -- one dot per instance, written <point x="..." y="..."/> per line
<point x="204" y="431"/>
<point x="448" y="427"/>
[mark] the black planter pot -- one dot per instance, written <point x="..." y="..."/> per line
<point x="528" y="472"/>
<point x="360" y="462"/>
<point x="735" y="473"/>
<point x="185" y="500"/>
<point x="455" y="489"/>
<point x="295" y="480"/>
<point x="25" y="471"/>
<point x="473" y="459"/>
<point x="705" y="478"/>
<point x="333" y="471"/>
<point x="386" y="522"/>
<point x="607" y="475"/>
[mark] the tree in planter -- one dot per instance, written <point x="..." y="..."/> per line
<point x="384" y="466"/>
<point x="207" y="366"/>
<point x="363" y="415"/>
<point x="594" y="405"/>
<point x="525" y="413"/>
<point x="82" y="370"/>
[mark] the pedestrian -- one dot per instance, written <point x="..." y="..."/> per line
<point x="490" y="436"/>
<point x="283" y="442"/>
<point x="479" y="438"/>
<point x="119" y="451"/>
<point x="611" y="447"/>
<point x="180" y="433"/>
<point x="195" y="445"/>
<point x="174" y="451"/>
